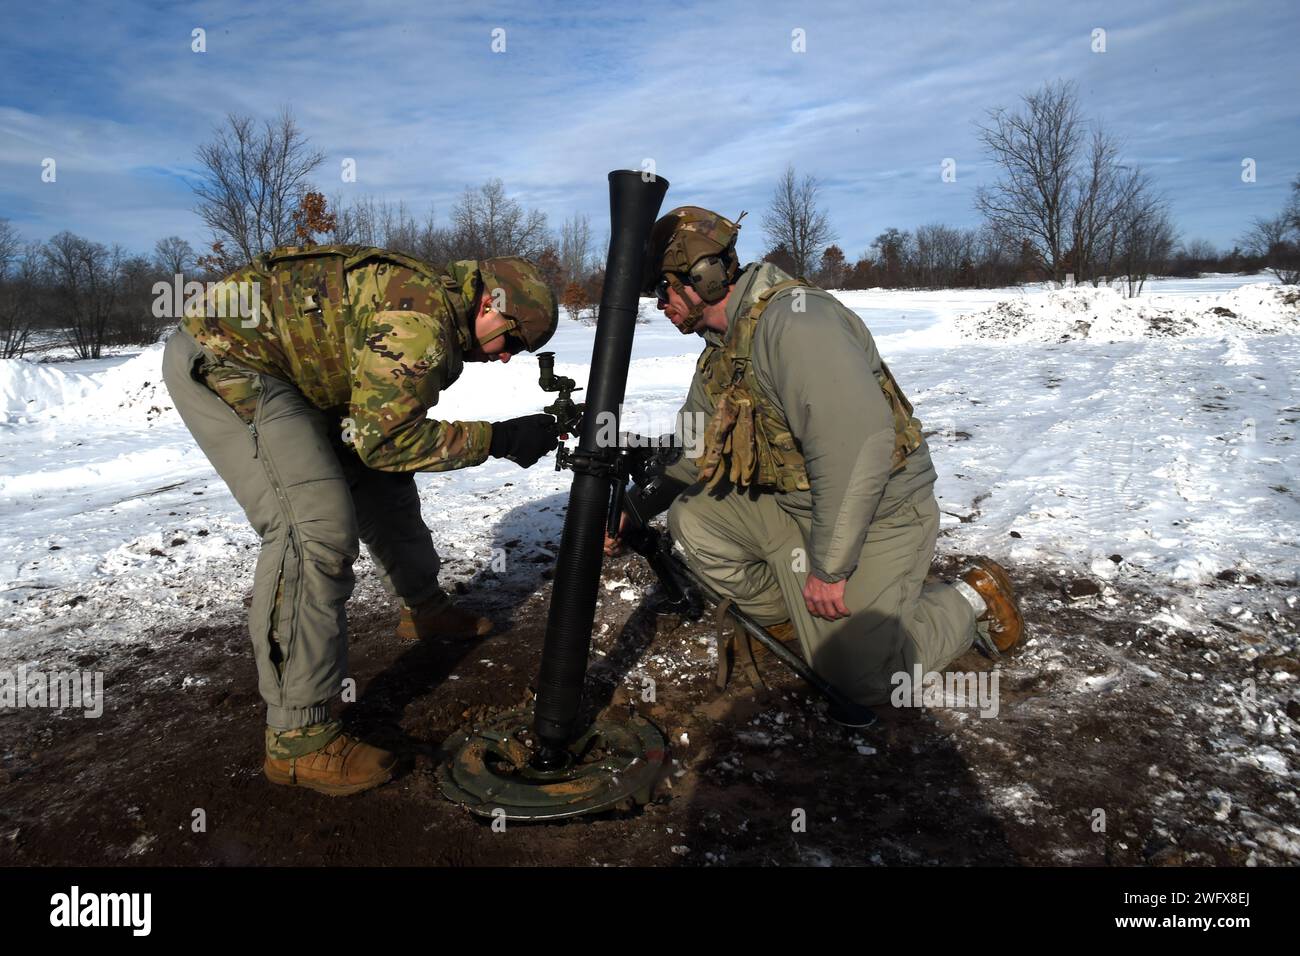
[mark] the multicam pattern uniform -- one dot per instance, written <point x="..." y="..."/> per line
<point x="367" y="335"/>
<point x="287" y="744"/>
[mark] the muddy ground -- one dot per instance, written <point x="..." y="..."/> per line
<point x="1127" y="733"/>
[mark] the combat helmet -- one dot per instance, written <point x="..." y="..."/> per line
<point x="517" y="290"/>
<point x="699" y="246"/>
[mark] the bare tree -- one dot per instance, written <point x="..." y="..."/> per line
<point x="369" y="221"/>
<point x="488" y="223"/>
<point x="173" y="256"/>
<point x="794" y="221"/>
<point x="1144" y="235"/>
<point x="1105" y="191"/>
<point x="355" y="221"/>
<point x="1193" y="257"/>
<point x="132" y="321"/>
<point x="1277" y="240"/>
<point x="1199" y="250"/>
<point x="399" y="230"/>
<point x="1037" y="149"/>
<point x="84" y="279"/>
<point x="1066" y="199"/>
<point x="10" y="246"/>
<point x="255" y="179"/>
<point x="1292" y="211"/>
<point x="21" y="281"/>
<point x="996" y="259"/>
<point x="941" y="255"/>
<point x="575" y="248"/>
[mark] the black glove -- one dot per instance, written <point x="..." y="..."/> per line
<point x="524" y="440"/>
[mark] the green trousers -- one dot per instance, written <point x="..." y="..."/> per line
<point x="311" y="501"/>
<point x="752" y="551"/>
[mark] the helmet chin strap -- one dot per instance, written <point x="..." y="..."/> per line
<point x="510" y="326"/>
<point x="694" y="315"/>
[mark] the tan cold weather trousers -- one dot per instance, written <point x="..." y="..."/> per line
<point x="751" y="550"/>
<point x="310" y="500"/>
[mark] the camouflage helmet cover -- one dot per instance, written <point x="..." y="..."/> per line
<point x="683" y="237"/>
<point x="517" y="290"/>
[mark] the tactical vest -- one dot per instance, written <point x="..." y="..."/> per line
<point x="304" y="281"/>
<point x="314" y="317"/>
<point x="315" y="328"/>
<point x="748" y="440"/>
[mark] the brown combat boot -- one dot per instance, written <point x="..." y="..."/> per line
<point x="1006" y="626"/>
<point x="737" y="649"/>
<point x="440" y="618"/>
<point x="783" y="632"/>
<point x="343" y="766"/>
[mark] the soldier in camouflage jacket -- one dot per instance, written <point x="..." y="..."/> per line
<point x="306" y="378"/>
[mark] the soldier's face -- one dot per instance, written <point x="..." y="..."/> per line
<point x="671" y="303"/>
<point x="486" y="323"/>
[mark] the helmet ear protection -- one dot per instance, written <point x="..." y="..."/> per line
<point x="711" y="275"/>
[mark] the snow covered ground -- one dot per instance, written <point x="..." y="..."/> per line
<point x="1164" y="461"/>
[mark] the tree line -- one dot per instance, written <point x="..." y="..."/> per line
<point x="72" y="291"/>
<point x="256" y="193"/>
<point x="1064" y="205"/>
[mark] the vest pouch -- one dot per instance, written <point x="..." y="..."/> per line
<point x="743" y="454"/>
<point x="789" y="471"/>
<point x="717" y="435"/>
<point x="309" y="288"/>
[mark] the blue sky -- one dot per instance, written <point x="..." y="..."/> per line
<point x="712" y="92"/>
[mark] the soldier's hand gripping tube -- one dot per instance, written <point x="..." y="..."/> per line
<point x="649" y="501"/>
<point x="634" y="204"/>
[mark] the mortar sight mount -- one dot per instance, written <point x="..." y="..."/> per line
<point x="566" y="412"/>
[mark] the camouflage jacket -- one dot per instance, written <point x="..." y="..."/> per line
<point x="371" y="337"/>
<point x="818" y="367"/>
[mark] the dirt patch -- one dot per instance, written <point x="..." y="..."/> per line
<point x="1119" y="739"/>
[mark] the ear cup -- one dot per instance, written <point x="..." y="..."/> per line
<point x="709" y="278"/>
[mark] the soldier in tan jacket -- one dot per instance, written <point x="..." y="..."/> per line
<point x="811" y="504"/>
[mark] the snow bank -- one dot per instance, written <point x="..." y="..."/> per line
<point x="1103" y="314"/>
<point x="27" y="388"/>
<point x="132" y="392"/>
<point x="128" y="392"/>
